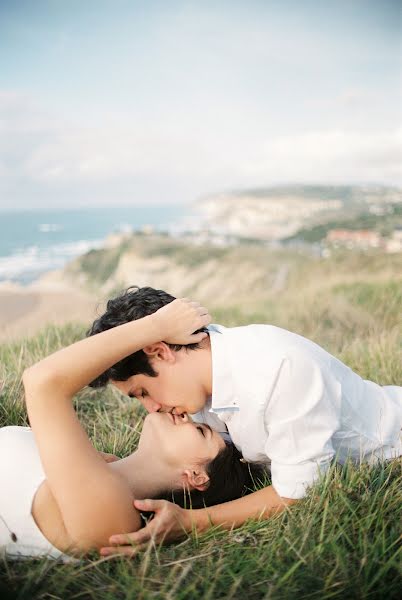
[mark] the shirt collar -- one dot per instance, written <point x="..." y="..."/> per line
<point x="224" y="396"/>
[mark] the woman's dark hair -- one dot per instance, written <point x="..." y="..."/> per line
<point x="132" y="304"/>
<point x="229" y="478"/>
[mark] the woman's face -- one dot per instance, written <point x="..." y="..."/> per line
<point x="178" y="440"/>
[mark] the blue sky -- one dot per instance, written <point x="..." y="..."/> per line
<point x="135" y="102"/>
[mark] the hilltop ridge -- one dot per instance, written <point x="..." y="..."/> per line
<point x="279" y="212"/>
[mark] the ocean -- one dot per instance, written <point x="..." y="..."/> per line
<point x="34" y="242"/>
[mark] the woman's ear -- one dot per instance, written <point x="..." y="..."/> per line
<point x="160" y="351"/>
<point x="196" y="479"/>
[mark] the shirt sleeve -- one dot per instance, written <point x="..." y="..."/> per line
<point x="301" y="417"/>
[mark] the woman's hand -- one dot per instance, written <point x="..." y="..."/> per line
<point x="176" y="322"/>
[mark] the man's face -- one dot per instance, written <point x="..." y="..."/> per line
<point x="173" y="389"/>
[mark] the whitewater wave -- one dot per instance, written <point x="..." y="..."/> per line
<point x="25" y="265"/>
<point x="50" y="227"/>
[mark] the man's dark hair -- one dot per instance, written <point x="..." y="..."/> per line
<point x="132" y="304"/>
<point x="229" y="478"/>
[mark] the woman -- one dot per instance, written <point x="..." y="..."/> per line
<point x="59" y="497"/>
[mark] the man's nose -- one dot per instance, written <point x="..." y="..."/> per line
<point x="151" y="405"/>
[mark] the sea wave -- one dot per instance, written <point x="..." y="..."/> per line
<point x="49" y="227"/>
<point x="26" y="265"/>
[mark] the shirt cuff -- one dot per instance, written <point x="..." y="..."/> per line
<point x="292" y="481"/>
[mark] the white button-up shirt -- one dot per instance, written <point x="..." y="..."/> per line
<point x="285" y="400"/>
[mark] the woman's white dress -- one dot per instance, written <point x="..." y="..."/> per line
<point x="21" y="474"/>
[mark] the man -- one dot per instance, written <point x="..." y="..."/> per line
<point x="282" y="398"/>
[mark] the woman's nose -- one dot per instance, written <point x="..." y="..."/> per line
<point x="184" y="417"/>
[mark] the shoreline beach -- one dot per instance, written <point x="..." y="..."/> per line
<point x="24" y="310"/>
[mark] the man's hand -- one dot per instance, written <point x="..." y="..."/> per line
<point x="108" y="457"/>
<point x="176" y="322"/>
<point x="170" y="522"/>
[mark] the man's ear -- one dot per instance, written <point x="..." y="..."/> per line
<point x="160" y="351"/>
<point x="196" y="479"/>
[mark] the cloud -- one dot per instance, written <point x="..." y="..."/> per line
<point x="350" y="156"/>
<point x="99" y="155"/>
<point x="42" y="151"/>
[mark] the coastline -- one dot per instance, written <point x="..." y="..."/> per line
<point x="24" y="310"/>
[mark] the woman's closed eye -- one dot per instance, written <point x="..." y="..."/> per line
<point x="201" y="429"/>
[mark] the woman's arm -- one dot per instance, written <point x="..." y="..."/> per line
<point x="86" y="489"/>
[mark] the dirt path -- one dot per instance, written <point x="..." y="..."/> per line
<point x="280" y="278"/>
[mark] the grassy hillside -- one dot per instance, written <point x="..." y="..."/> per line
<point x="241" y="275"/>
<point x="349" y="194"/>
<point x="383" y="224"/>
<point x="341" y="541"/>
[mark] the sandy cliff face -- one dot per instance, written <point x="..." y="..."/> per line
<point x="278" y="213"/>
<point x="213" y="279"/>
<point x="265" y="218"/>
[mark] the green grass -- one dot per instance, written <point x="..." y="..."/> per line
<point x="341" y="541"/>
<point x="98" y="265"/>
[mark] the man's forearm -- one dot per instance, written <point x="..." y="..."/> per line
<point x="171" y="521"/>
<point x="261" y="504"/>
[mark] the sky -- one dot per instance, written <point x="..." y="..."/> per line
<point x="126" y="102"/>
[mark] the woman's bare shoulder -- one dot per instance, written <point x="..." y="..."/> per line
<point x="113" y="513"/>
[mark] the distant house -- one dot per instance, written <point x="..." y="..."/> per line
<point x="348" y="238"/>
<point x="394" y="243"/>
